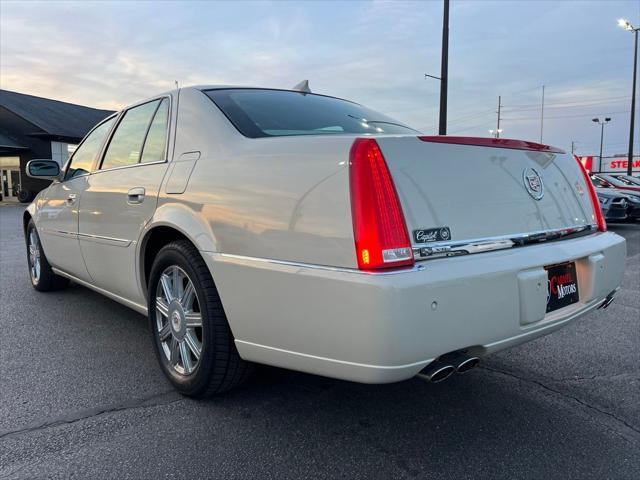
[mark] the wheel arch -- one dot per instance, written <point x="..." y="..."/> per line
<point x="26" y="218"/>
<point x="170" y="223"/>
<point x="28" y="214"/>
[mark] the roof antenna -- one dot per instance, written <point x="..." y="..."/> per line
<point x="176" y="82"/>
<point x="303" y="87"/>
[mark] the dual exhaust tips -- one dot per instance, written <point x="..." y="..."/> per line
<point x="459" y="362"/>
<point x="447" y="365"/>
<point x="607" y="301"/>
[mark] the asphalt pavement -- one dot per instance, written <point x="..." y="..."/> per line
<point x="81" y="397"/>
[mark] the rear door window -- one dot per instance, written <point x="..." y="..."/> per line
<point x="156" y="142"/>
<point x="125" y="147"/>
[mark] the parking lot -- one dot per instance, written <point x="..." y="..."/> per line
<point x="81" y="396"/>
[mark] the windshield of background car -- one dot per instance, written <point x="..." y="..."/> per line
<point x="635" y="182"/>
<point x="598" y="182"/>
<point x="273" y="113"/>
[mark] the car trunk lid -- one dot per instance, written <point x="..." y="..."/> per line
<point x="478" y="192"/>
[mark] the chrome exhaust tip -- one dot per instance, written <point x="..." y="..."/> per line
<point x="609" y="300"/>
<point x="461" y="361"/>
<point x="468" y="364"/>
<point x="436" y="371"/>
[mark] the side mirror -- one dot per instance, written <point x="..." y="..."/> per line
<point x="46" y="169"/>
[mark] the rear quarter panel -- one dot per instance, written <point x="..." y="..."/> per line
<point x="284" y="198"/>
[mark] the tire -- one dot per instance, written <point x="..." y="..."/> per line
<point x="177" y="333"/>
<point x="25" y="196"/>
<point x="42" y="277"/>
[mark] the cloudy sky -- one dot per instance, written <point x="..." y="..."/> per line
<point x="107" y="54"/>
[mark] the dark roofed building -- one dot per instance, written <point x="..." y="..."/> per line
<point x="36" y="127"/>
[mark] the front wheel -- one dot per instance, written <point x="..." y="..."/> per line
<point x="191" y="335"/>
<point x="42" y="277"/>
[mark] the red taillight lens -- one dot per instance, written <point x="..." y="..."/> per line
<point x="597" y="208"/>
<point x="379" y="228"/>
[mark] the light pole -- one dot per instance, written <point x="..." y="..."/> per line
<point x="627" y="26"/>
<point x="497" y="131"/>
<point x="602" y="124"/>
<point x="444" y="70"/>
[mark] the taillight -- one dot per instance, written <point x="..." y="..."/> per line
<point x="597" y="208"/>
<point x="379" y="227"/>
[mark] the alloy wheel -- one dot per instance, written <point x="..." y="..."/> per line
<point x="34" y="256"/>
<point x="178" y="320"/>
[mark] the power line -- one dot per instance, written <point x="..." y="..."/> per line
<point x="576" y="104"/>
<point x="515" y="119"/>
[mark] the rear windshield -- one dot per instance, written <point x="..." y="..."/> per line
<point x="274" y="113"/>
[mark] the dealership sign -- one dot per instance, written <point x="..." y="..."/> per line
<point x="617" y="164"/>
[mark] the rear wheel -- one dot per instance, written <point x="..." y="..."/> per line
<point x="42" y="277"/>
<point x="191" y="335"/>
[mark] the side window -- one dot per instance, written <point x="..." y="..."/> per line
<point x="125" y="146"/>
<point x="154" y="145"/>
<point x="86" y="153"/>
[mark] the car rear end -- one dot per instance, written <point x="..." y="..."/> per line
<point x="459" y="246"/>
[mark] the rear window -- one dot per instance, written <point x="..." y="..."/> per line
<point x="274" y="113"/>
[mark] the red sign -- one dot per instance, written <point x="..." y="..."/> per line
<point x="587" y="162"/>
<point x="609" y="164"/>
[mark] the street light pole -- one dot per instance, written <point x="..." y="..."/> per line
<point x="444" y="69"/>
<point x="627" y="26"/>
<point x="602" y="124"/>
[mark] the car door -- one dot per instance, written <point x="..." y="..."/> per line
<point x="121" y="197"/>
<point x="57" y="219"/>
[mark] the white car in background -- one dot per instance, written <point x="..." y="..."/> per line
<point x="311" y="233"/>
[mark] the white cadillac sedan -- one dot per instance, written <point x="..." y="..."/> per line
<point x="309" y="232"/>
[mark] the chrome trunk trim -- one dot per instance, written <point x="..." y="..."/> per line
<point x="428" y="251"/>
<point x="436" y="249"/>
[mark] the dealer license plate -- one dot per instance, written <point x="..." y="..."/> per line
<point x="562" y="286"/>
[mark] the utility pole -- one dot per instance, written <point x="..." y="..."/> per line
<point x="573" y="147"/>
<point x="499" y="108"/>
<point x="633" y="104"/>
<point x="444" y="69"/>
<point x="542" y="115"/>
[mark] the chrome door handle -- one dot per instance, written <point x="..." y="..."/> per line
<point x="135" y="195"/>
<point x="71" y="199"/>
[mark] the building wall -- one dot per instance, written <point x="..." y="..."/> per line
<point x="39" y="146"/>
<point x="61" y="151"/>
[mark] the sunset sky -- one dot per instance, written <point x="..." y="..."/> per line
<point x="108" y="54"/>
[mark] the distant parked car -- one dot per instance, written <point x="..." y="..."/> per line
<point x="610" y="181"/>
<point x="633" y="206"/>
<point x="628" y="180"/>
<point x="312" y="233"/>
<point x="614" y="204"/>
<point x="619" y="205"/>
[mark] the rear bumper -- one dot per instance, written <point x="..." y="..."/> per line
<point x="379" y="328"/>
